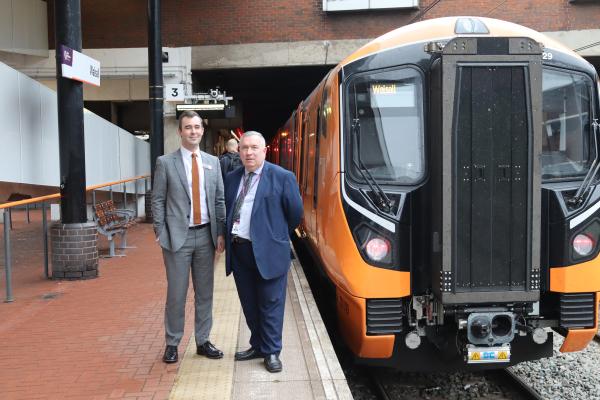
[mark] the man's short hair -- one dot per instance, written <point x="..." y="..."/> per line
<point x="188" y="114"/>
<point x="231" y="144"/>
<point x="255" y="133"/>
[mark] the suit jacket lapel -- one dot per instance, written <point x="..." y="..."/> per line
<point x="232" y="194"/>
<point x="208" y="178"/>
<point x="179" y="166"/>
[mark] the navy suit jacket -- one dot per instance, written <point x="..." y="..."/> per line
<point x="276" y="211"/>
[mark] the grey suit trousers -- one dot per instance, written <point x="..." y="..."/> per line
<point x="197" y="254"/>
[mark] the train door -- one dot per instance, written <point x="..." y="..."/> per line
<point x="491" y="185"/>
<point x="304" y="166"/>
<point x="311" y="179"/>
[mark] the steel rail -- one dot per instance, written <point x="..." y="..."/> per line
<point x="378" y="387"/>
<point x="525" y="389"/>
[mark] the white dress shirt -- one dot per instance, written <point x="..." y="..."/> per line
<point x="187" y="164"/>
<point x="246" y="210"/>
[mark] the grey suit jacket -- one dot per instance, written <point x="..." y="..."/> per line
<point x="171" y="200"/>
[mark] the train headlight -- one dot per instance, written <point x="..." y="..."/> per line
<point x="375" y="246"/>
<point x="583" y="245"/>
<point x="378" y="248"/>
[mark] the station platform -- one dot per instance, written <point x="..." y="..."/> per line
<point x="104" y="338"/>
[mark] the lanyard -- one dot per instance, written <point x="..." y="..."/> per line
<point x="243" y="193"/>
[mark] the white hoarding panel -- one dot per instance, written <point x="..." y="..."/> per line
<point x="142" y="163"/>
<point x="10" y="135"/>
<point x="50" y="159"/>
<point x="30" y="116"/>
<point x="29" y="135"/>
<point x="93" y="156"/>
<point x="127" y="156"/>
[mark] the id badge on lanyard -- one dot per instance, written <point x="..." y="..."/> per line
<point x="235" y="229"/>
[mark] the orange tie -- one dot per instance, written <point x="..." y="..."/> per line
<point x="196" y="190"/>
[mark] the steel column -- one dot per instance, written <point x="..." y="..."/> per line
<point x="45" y="236"/>
<point x="70" y="116"/>
<point x="7" y="258"/>
<point x="155" y="82"/>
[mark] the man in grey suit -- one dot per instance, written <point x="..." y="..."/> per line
<point x="189" y="222"/>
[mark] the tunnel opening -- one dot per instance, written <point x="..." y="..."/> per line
<point x="264" y="97"/>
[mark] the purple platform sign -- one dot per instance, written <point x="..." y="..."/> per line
<point x="66" y="55"/>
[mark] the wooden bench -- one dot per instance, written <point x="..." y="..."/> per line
<point x="110" y="222"/>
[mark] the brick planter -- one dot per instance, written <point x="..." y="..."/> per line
<point x="148" y="206"/>
<point x="74" y="251"/>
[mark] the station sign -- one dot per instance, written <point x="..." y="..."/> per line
<point x="79" y="67"/>
<point x="355" y="5"/>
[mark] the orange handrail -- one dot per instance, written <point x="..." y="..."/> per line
<point x="57" y="195"/>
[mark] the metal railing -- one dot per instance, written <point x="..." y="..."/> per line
<point x="43" y="200"/>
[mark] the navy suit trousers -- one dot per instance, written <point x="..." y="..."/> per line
<point x="263" y="301"/>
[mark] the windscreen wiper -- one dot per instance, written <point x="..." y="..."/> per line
<point x="381" y="199"/>
<point x="576" y="200"/>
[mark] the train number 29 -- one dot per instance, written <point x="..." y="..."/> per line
<point x="546" y="55"/>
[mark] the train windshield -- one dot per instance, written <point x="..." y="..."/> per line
<point x="567" y="146"/>
<point x="385" y="122"/>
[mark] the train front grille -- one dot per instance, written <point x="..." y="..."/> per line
<point x="384" y="316"/>
<point x="577" y="310"/>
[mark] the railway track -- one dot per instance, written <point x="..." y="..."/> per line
<point x="496" y="384"/>
<point x="523" y="388"/>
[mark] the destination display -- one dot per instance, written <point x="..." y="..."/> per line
<point x="392" y="94"/>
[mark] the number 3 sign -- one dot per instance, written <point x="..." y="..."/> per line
<point x="174" y="92"/>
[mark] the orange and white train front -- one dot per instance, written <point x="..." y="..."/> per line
<point x="448" y="171"/>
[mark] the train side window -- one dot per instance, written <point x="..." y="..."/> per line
<point x="325" y="113"/>
<point x="567" y="148"/>
<point x="316" y="178"/>
<point x="304" y="158"/>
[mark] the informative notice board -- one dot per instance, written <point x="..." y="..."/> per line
<point x="78" y="66"/>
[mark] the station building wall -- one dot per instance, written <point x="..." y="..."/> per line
<point x="117" y="23"/>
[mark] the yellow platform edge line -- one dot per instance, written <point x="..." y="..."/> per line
<point x="198" y="377"/>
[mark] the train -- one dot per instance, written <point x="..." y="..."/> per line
<point x="449" y="175"/>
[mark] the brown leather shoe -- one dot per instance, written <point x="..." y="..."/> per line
<point x="249" y="354"/>
<point x="272" y="363"/>
<point x="209" y="350"/>
<point x="170" y="355"/>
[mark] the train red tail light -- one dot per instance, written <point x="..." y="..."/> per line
<point x="378" y="248"/>
<point x="583" y="245"/>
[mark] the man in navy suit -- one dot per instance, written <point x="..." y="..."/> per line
<point x="263" y="205"/>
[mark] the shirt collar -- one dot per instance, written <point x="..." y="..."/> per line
<point x="257" y="171"/>
<point x="188" y="154"/>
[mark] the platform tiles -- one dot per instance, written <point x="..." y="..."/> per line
<point x="310" y="366"/>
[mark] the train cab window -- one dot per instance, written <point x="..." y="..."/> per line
<point x="567" y="146"/>
<point x="385" y="126"/>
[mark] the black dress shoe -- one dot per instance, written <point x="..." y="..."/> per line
<point x="170" y="355"/>
<point x="249" y="354"/>
<point x="209" y="350"/>
<point x="272" y="363"/>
